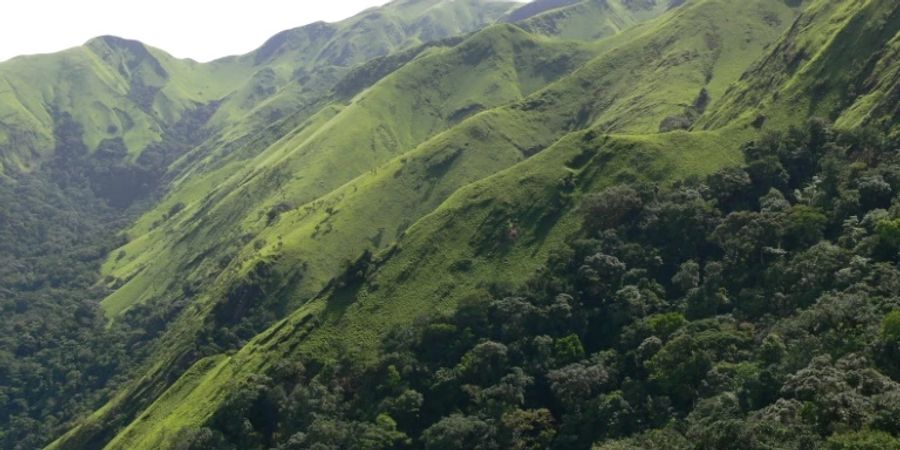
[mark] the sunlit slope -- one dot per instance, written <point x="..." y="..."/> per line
<point x="458" y="250"/>
<point x="297" y="66"/>
<point x="497" y="66"/>
<point x="587" y="19"/>
<point x="239" y="211"/>
<point x="113" y="88"/>
<point x="519" y="166"/>
<point x="413" y="167"/>
<point x="840" y="61"/>
<point x="375" y="209"/>
<point x="213" y="229"/>
<point x="116" y="88"/>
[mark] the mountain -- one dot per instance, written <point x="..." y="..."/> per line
<point x="346" y="236"/>
<point x="78" y="178"/>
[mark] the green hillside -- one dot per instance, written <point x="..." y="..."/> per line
<point x="58" y="157"/>
<point x="121" y="89"/>
<point x="114" y="88"/>
<point x="327" y="234"/>
<point x="818" y="68"/>
<point x="301" y="242"/>
<point x="586" y="19"/>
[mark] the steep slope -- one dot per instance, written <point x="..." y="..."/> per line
<point x="297" y="66"/>
<point x="117" y="90"/>
<point x="98" y="126"/>
<point x="87" y="135"/>
<point x="587" y="19"/>
<point x="336" y="146"/>
<point x="354" y="200"/>
<point x="290" y="247"/>
<point x="661" y="59"/>
<point x="818" y="69"/>
<point x="549" y="115"/>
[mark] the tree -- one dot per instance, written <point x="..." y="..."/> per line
<point x="527" y="429"/>
<point x="889" y="239"/>
<point x="568" y="349"/>
<point x="730" y="188"/>
<point x="459" y="432"/>
<point x="679" y="368"/>
<point x="804" y="226"/>
<point x="381" y="435"/>
<point x="610" y="208"/>
<point x="575" y="383"/>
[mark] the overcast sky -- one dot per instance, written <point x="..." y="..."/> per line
<point x="198" y="29"/>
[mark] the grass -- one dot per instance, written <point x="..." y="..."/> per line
<point x="94" y="84"/>
<point x="401" y="112"/>
<point x="495" y="67"/>
<point x="430" y="165"/>
<point x="818" y="69"/>
<point x="419" y="277"/>
<point x="590" y="20"/>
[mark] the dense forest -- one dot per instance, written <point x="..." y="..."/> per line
<point x="756" y="308"/>
<point x="59" y="355"/>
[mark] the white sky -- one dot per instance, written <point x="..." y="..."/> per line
<point x="198" y="29"/>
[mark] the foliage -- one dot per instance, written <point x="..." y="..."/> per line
<point x="742" y="310"/>
<point x="609" y="346"/>
<point x="60" y="356"/>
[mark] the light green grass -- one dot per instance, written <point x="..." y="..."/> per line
<point x="591" y="20"/>
<point x="821" y="68"/>
<point x="401" y="112"/>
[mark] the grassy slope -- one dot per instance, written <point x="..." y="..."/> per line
<point x="96" y="85"/>
<point x="301" y="243"/>
<point x="408" y="284"/>
<point x="818" y="69"/>
<point x="590" y="19"/>
<point x="393" y="117"/>
<point x="527" y="80"/>
<point x="297" y="66"/>
<point x="523" y="128"/>
<point x="526" y="193"/>
<point x="104" y="84"/>
<point x="546" y="121"/>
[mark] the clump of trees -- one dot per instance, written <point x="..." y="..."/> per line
<point x="755" y="308"/>
<point x="59" y="358"/>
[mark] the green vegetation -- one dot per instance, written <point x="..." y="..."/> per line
<point x="819" y="68"/>
<point x="720" y="313"/>
<point x="58" y="356"/>
<point x="461" y="224"/>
